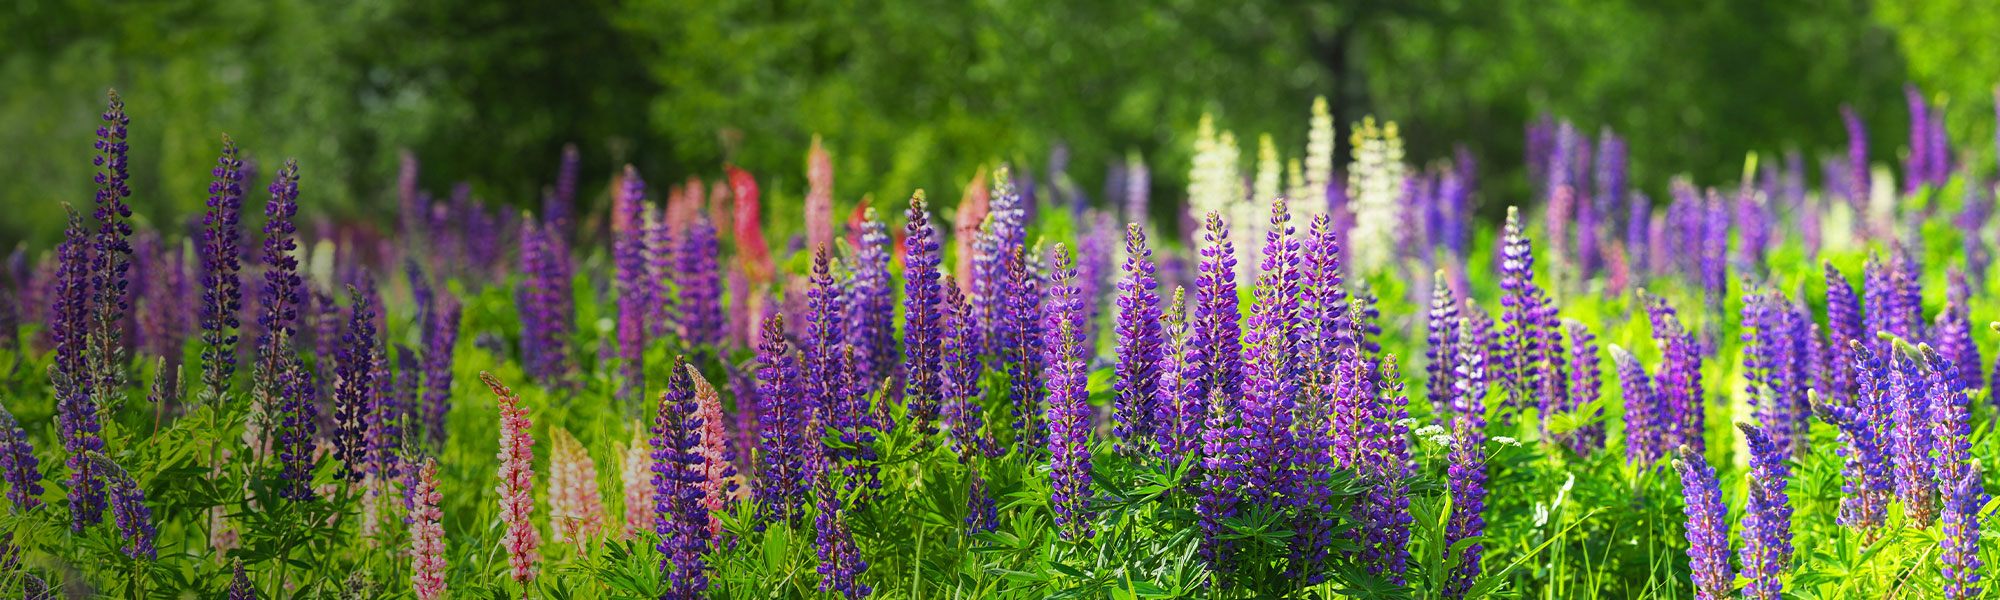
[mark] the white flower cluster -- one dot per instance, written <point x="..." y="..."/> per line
<point x="1375" y="189"/>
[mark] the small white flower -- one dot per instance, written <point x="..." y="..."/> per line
<point x="1405" y="422"/>
<point x="1541" y="514"/>
<point x="1429" y="430"/>
<point x="1506" y="441"/>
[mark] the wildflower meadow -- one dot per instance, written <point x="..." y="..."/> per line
<point x="1332" y="371"/>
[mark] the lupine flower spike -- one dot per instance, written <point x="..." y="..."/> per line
<point x="428" y="571"/>
<point x="517" y="482"/>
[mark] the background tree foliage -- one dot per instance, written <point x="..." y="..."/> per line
<point x="918" y="93"/>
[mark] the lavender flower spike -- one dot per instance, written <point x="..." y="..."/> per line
<point x="221" y="286"/>
<point x="1069" y="408"/>
<point x="1707" y="529"/>
<point x="1139" y="345"/>
<point x="923" y="316"/>
<point x="1767" y="520"/>
<point x="679" y="517"/>
<point x="18" y="467"/>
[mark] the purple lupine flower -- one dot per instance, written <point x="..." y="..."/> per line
<point x="76" y="405"/>
<point x="1181" y="407"/>
<point x="1138" y="190"/>
<point x="284" y="386"/>
<point x="1681" y="398"/>
<point x="1137" y="386"/>
<point x="1844" y="326"/>
<point x="355" y="388"/>
<point x="629" y="252"/>
<point x="1767" y="519"/>
<point x="384" y="420"/>
<point x="1707" y="529"/>
<point x="1216" y="329"/>
<point x="1916" y="166"/>
<point x="1322" y="302"/>
<point x="1023" y="359"/>
<point x="1069" y="408"/>
<point x="960" y="375"/>
<point x="1753" y="226"/>
<point x="679" y="517"/>
<point x="1906" y="277"/>
<point x="18" y="466"/>
<point x="1440" y="345"/>
<point x="561" y="205"/>
<point x="981" y="514"/>
<point x="128" y="509"/>
<point x="658" y="235"/>
<point x="855" y="425"/>
<point x="840" y="563"/>
<point x="1913" y="436"/>
<point x="1386" y="468"/>
<point x="700" y="300"/>
<point x="239" y="584"/>
<point x="111" y="249"/>
<point x="1864" y="436"/>
<point x="1521" y="335"/>
<point x="781" y="423"/>
<point x="1583" y="385"/>
<point x="1771" y="358"/>
<point x="871" y="304"/>
<point x="1273" y="368"/>
<point x="440" y="338"/>
<point x="1857" y="169"/>
<point x="1959" y="479"/>
<point x="1540" y="145"/>
<point x="1224" y="453"/>
<point x="1715" y="251"/>
<point x="544" y="307"/>
<point x="1953" y="333"/>
<point x="923" y="319"/>
<point x="1466" y="475"/>
<point x="821" y="345"/>
<point x="1314" y="460"/>
<point x="1609" y="174"/>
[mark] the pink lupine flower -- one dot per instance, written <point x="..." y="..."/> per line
<point x="517" y="481"/>
<point x="635" y="473"/>
<point x="574" y="504"/>
<point x="720" y="485"/>
<point x="427" y="566"/>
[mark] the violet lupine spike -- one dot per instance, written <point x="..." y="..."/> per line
<point x="629" y="252"/>
<point x="1682" y="402"/>
<point x="871" y="304"/>
<point x="70" y="375"/>
<point x="1766" y="349"/>
<point x="111" y="252"/>
<point x="1959" y="482"/>
<point x="960" y="375"/>
<point x="240" y="587"/>
<point x="284" y="386"/>
<point x="661" y="315"/>
<point x="1917" y="164"/>
<point x="1441" y="344"/>
<point x="825" y="337"/>
<point x="1387" y="469"/>
<point x="1023" y="327"/>
<point x="1913" y="436"/>
<point x="1137" y="385"/>
<point x="700" y="280"/>
<point x="1767" y="519"/>
<point x="924" y="330"/>
<point x="128" y="509"/>
<point x="1273" y="368"/>
<point x="1466" y="475"/>
<point x="1906" y="277"/>
<point x="1707" y="527"/>
<point x="1217" y="329"/>
<point x="562" y="204"/>
<point x="781" y="426"/>
<point x="1584" y="384"/>
<point x="355" y="388"/>
<point x="981" y="513"/>
<point x="385" y="421"/>
<point x="1314" y="458"/>
<point x="853" y="422"/>
<point x="545" y="308"/>
<point x="1857" y="169"/>
<point x="440" y="338"/>
<point x="839" y="561"/>
<point x="1323" y="301"/>
<point x="18" y="466"/>
<point x="1521" y="301"/>
<point x="1953" y="333"/>
<point x="1844" y="325"/>
<point x="1069" y="412"/>
<point x="1864" y="438"/>
<point x="680" y="519"/>
<point x="1715" y="251"/>
<point x="1224" y="453"/>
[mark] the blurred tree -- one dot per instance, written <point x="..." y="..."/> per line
<point x="917" y="93"/>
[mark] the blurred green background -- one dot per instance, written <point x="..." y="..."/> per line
<point x="918" y="93"/>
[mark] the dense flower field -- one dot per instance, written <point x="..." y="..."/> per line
<point x="1297" y="385"/>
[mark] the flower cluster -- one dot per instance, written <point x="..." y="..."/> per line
<point x="428" y="570"/>
<point x="1137" y="387"/>
<point x="1069" y="408"/>
<point x="924" y="333"/>
<point x="517" y="481"/>
<point x="679" y="516"/>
